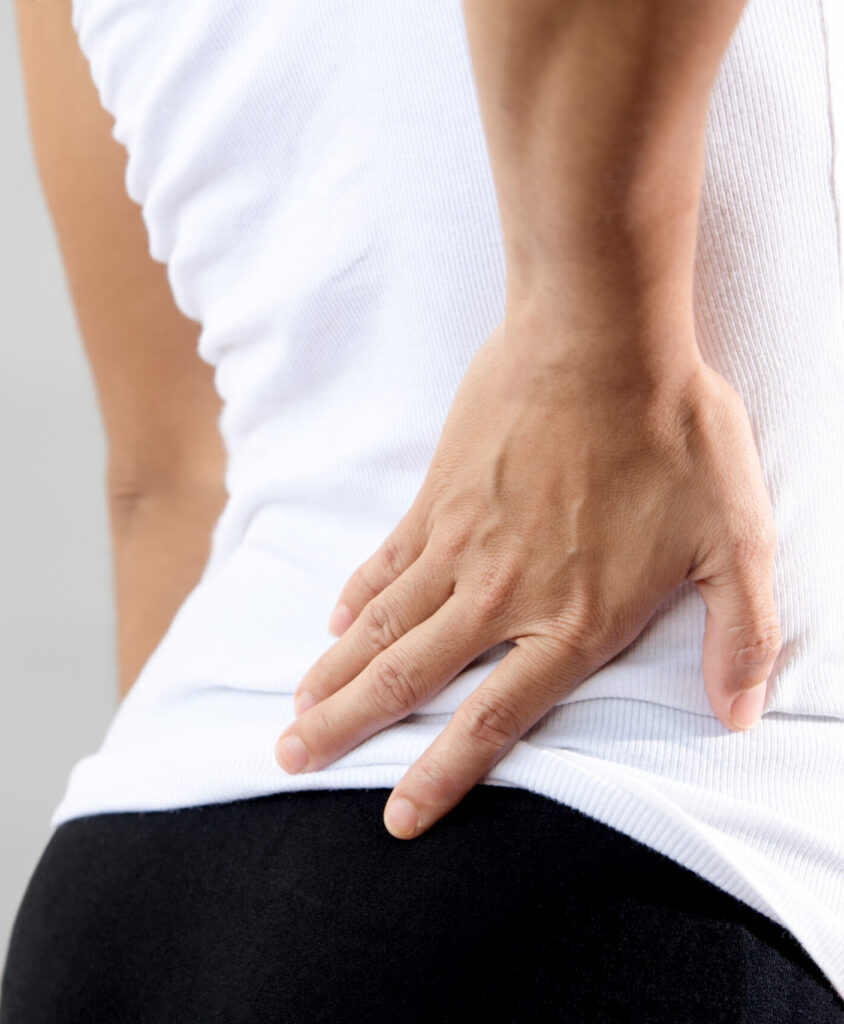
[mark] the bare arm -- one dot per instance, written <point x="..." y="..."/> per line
<point x="157" y="398"/>
<point x="591" y="461"/>
<point x="595" y="117"/>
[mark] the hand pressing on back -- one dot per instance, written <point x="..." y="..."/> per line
<point x="591" y="461"/>
<point x="562" y="506"/>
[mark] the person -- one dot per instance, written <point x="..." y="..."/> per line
<point x="526" y="324"/>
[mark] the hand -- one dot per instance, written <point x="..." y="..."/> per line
<point x="559" y="510"/>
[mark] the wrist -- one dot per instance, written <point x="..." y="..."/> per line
<point x="603" y="330"/>
<point x="637" y="216"/>
<point x="618" y="247"/>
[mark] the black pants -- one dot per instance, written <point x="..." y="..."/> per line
<point x="301" y="907"/>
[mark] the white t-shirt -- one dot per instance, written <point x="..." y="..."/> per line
<point x="315" y="177"/>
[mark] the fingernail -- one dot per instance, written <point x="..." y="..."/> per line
<point x="341" y="619"/>
<point x="747" y="708"/>
<point x="291" y="754"/>
<point x="402" y="818"/>
<point x="304" y="702"/>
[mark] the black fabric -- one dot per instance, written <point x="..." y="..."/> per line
<point x="301" y="907"/>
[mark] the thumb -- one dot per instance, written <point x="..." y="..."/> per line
<point x="742" y="638"/>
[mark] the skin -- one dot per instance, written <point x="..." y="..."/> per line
<point x="591" y="461"/>
<point x="164" y="476"/>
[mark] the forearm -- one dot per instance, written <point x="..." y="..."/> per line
<point x="159" y="405"/>
<point x="595" y="118"/>
<point x="160" y="544"/>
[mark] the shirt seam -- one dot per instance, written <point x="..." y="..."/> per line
<point x="833" y="138"/>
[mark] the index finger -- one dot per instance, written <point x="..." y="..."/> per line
<point x="395" y="555"/>
<point x="415" y="596"/>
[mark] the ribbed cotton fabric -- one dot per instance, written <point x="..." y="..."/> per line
<point x="315" y="177"/>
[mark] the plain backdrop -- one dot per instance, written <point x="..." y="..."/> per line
<point x="57" y="647"/>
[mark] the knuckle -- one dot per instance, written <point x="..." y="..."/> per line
<point x="449" y="545"/>
<point x="495" y="586"/>
<point x="393" y="690"/>
<point x="585" y="620"/>
<point x="434" y="779"/>
<point x="380" y="625"/>
<point x="582" y="623"/>
<point x="493" y="724"/>
<point x="324" y="723"/>
<point x="758" y="644"/>
<point x="611" y="634"/>
<point x="363" y="580"/>
<point x="391" y="557"/>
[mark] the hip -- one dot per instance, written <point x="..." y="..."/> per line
<point x="301" y="906"/>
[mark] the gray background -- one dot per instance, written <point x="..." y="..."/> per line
<point x="57" y="647"/>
